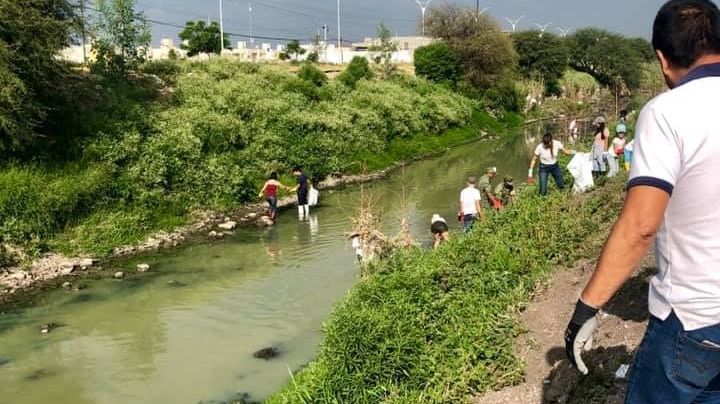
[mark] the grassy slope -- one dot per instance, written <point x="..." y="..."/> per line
<point x="141" y="164"/>
<point x="438" y="326"/>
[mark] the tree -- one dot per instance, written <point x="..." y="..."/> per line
<point x="385" y="50"/>
<point x="358" y="69"/>
<point x="122" y="37"/>
<point x="541" y="57"/>
<point x="485" y="53"/>
<point x="199" y="37"/>
<point x="606" y="56"/>
<point x="437" y="62"/>
<point x="32" y="32"/>
<point x="294" y="48"/>
<point x="643" y="48"/>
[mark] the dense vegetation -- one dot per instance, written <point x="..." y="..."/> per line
<point x="147" y="164"/>
<point x="31" y="33"/>
<point x="435" y="327"/>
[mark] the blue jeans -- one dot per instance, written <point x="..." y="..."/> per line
<point x="468" y="222"/>
<point x="545" y="171"/>
<point x="272" y="203"/>
<point x="676" y="366"/>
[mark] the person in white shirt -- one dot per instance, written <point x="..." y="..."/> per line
<point x="676" y="154"/>
<point x="547" y="152"/>
<point x="470" y="209"/>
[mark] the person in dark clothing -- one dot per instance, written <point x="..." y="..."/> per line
<point x="302" y="189"/>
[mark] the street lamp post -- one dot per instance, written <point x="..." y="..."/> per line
<point x="542" y="28"/>
<point x="564" y="31"/>
<point x="222" y="31"/>
<point x="423" y="4"/>
<point x="339" y="41"/>
<point x="514" y="23"/>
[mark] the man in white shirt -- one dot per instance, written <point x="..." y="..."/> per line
<point x="470" y="208"/>
<point x="676" y="154"/>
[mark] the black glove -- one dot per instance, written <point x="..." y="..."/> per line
<point x="579" y="334"/>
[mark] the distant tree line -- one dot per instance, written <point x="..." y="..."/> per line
<point x="475" y="57"/>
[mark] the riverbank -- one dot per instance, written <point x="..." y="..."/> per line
<point x="439" y="326"/>
<point x="22" y="283"/>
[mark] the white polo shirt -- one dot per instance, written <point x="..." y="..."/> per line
<point x="677" y="149"/>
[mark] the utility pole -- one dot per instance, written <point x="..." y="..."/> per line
<point x="423" y="4"/>
<point x="339" y="41"/>
<point x="514" y="23"/>
<point x="82" y="20"/>
<point x="222" y="31"/>
<point x="325" y="32"/>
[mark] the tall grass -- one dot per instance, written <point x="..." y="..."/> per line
<point x="436" y="327"/>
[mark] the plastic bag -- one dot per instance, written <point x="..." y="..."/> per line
<point x="313" y="197"/>
<point x="581" y="167"/>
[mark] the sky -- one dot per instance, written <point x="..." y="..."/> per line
<point x="302" y="19"/>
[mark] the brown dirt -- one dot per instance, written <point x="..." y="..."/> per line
<point x="549" y="376"/>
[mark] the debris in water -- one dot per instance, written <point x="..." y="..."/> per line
<point x="267" y="353"/>
<point x="47" y="328"/>
<point x="38" y="374"/>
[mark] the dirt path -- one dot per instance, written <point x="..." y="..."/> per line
<point x="549" y="377"/>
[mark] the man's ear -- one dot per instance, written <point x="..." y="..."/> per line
<point x="664" y="64"/>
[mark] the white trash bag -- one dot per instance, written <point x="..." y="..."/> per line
<point x="580" y="168"/>
<point x="313" y="197"/>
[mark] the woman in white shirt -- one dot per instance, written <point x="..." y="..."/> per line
<point x="548" y="151"/>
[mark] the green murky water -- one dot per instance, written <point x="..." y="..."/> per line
<point x="186" y="332"/>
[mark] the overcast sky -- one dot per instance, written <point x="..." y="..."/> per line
<point x="301" y="19"/>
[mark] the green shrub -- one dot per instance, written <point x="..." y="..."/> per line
<point x="505" y="95"/>
<point x="35" y="203"/>
<point x="436" y="327"/>
<point x="312" y="74"/>
<point x="359" y="68"/>
<point x="437" y="62"/>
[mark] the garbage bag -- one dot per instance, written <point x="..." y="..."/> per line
<point x="581" y="167"/>
<point x="313" y="197"/>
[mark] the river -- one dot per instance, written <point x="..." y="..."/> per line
<point x="186" y="332"/>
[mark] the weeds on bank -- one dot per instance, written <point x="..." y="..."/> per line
<point x="438" y="326"/>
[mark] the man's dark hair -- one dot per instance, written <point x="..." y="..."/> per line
<point x="274" y="175"/>
<point x="685" y="30"/>
<point x="297" y="169"/>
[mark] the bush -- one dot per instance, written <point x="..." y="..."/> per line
<point x="437" y="62"/>
<point x="312" y="74"/>
<point x="359" y="68"/>
<point x="436" y="327"/>
<point x="35" y="203"/>
<point x="506" y="95"/>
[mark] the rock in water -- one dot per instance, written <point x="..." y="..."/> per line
<point x="176" y="284"/>
<point x="143" y="268"/>
<point x="67" y="285"/>
<point x="228" y="225"/>
<point x="267" y="353"/>
<point x="47" y="328"/>
<point x="266" y="221"/>
<point x="119" y="275"/>
<point x="86" y="263"/>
